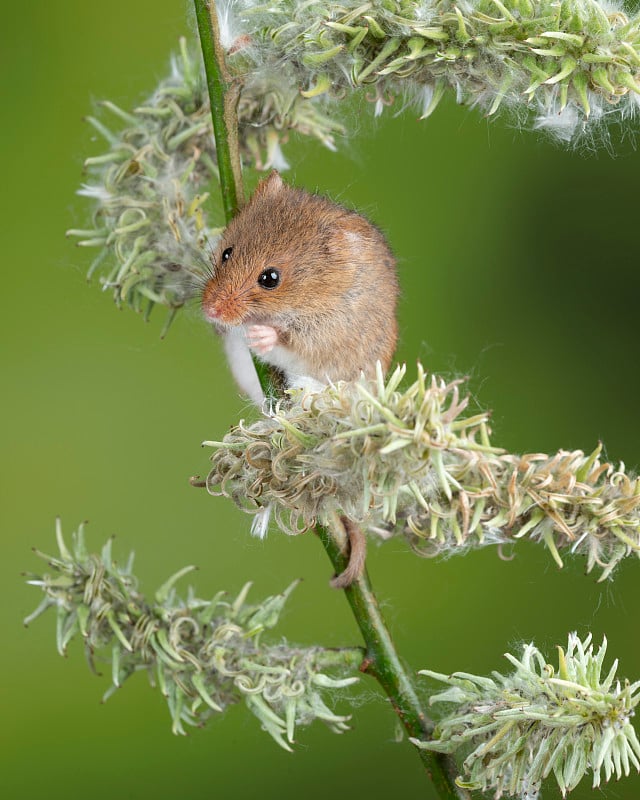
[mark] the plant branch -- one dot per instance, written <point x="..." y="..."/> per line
<point x="224" y="92"/>
<point x="383" y="663"/>
<point x="381" y="660"/>
<point x="223" y="95"/>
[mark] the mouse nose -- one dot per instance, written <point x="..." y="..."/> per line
<point x="210" y="310"/>
<point x="219" y="310"/>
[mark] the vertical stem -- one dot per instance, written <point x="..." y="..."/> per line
<point x="381" y="659"/>
<point x="223" y="97"/>
<point x="383" y="663"/>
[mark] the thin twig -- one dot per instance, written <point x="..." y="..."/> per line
<point x="381" y="660"/>
<point x="223" y="96"/>
<point x="224" y="92"/>
<point x="383" y="663"/>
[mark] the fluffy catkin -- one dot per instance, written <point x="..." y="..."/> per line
<point x="408" y="462"/>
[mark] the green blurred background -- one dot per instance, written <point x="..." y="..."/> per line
<point x="518" y="267"/>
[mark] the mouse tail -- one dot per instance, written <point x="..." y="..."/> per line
<point x="357" y="555"/>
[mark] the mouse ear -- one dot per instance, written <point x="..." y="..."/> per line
<point x="271" y="186"/>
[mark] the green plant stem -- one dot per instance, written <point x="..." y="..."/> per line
<point x="383" y="663"/>
<point x="336" y="657"/>
<point x="223" y="99"/>
<point x="223" y="96"/>
<point x="381" y="660"/>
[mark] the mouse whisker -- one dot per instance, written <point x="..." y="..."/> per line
<point x="198" y="279"/>
<point x="210" y="248"/>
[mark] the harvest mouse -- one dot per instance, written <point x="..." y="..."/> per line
<point x="311" y="288"/>
<point x="309" y="285"/>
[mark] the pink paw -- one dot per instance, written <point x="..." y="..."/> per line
<point x="262" y="338"/>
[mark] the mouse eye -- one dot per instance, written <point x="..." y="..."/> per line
<point x="226" y="254"/>
<point x="269" y="279"/>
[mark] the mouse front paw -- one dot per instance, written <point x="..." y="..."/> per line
<point x="262" y="338"/>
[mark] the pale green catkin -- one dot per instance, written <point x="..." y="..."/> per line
<point x="407" y="462"/>
<point x="568" y="63"/>
<point x="515" y="730"/>
<point x="204" y="655"/>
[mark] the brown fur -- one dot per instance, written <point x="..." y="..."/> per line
<point x="335" y="305"/>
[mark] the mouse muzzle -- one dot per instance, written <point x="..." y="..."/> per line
<point x="222" y="310"/>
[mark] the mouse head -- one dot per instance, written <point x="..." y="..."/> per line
<point x="285" y="253"/>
